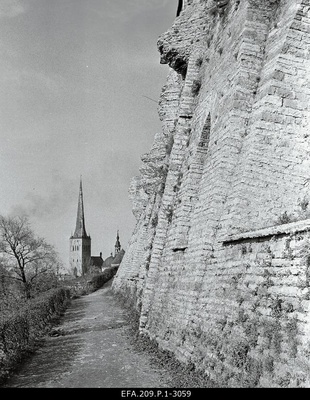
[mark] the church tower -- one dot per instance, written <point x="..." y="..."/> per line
<point x="80" y="243"/>
<point x="117" y="245"/>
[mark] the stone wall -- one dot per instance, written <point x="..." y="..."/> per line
<point x="218" y="263"/>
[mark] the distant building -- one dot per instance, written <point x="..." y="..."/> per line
<point x="80" y="242"/>
<point x="80" y="259"/>
<point x="96" y="263"/>
<point x="117" y="246"/>
<point x="118" y="255"/>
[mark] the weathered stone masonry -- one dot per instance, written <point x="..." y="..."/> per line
<point x="219" y="262"/>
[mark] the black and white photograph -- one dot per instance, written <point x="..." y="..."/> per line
<point x="154" y="196"/>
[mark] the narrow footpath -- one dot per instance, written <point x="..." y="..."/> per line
<point x="91" y="348"/>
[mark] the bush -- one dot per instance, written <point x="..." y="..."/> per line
<point x="99" y="280"/>
<point x="19" y="331"/>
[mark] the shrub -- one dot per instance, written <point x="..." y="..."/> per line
<point x="238" y="352"/>
<point x="199" y="61"/>
<point x="169" y="213"/>
<point x="253" y="371"/>
<point x="283" y="219"/>
<point x="154" y="221"/>
<point x="292" y="332"/>
<point x="19" y="331"/>
<point x="99" y="280"/>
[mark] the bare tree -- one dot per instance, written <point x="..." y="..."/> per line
<point x="9" y="292"/>
<point x="26" y="256"/>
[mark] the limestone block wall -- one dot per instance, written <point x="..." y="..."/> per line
<point x="146" y="193"/>
<point x="219" y="260"/>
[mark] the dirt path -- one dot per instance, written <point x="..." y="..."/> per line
<point x="92" y="350"/>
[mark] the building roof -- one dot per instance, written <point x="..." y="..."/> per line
<point x="108" y="261"/>
<point x="118" y="258"/>
<point x="97" y="261"/>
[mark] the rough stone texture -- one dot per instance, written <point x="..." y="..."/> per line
<point x="218" y="264"/>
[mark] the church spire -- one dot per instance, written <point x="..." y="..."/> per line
<point x="117" y="244"/>
<point x="80" y="231"/>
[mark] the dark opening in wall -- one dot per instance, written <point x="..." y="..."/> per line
<point x="180" y="7"/>
<point x="205" y="134"/>
<point x="179" y="249"/>
<point x="196" y="87"/>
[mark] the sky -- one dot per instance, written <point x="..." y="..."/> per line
<point x="76" y="79"/>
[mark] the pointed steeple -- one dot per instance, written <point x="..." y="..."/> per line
<point x="117" y="244"/>
<point x="80" y="231"/>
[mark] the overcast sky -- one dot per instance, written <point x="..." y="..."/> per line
<point x="73" y="76"/>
